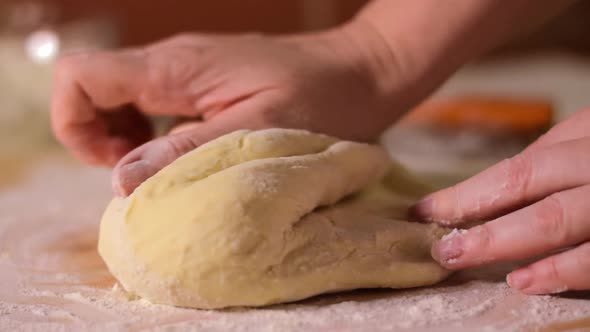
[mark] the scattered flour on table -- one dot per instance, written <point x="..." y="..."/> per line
<point x="546" y="309"/>
<point x="438" y="308"/>
<point x="38" y="303"/>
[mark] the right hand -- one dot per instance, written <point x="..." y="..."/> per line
<point x="345" y="82"/>
<point x="537" y="206"/>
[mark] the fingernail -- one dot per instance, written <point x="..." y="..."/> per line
<point x="423" y="210"/>
<point x="448" y="251"/>
<point x="130" y="176"/>
<point x="520" y="279"/>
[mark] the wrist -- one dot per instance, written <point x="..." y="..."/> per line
<point x="401" y="74"/>
<point x="430" y="39"/>
<point x="359" y="47"/>
<point x="376" y="56"/>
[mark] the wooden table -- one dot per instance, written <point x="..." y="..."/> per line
<point x="52" y="279"/>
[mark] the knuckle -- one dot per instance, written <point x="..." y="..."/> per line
<point x="62" y="129"/>
<point x="459" y="208"/>
<point x="553" y="271"/>
<point x="65" y="67"/>
<point x="450" y="206"/>
<point x="551" y="219"/>
<point x="485" y="241"/>
<point x="582" y="257"/>
<point x="172" y="69"/>
<point x="179" y="145"/>
<point x="60" y="132"/>
<point x="68" y="66"/>
<point x="277" y="111"/>
<point x="176" y="148"/>
<point x="272" y="116"/>
<point x="519" y="171"/>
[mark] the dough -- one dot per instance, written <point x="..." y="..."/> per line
<point x="261" y="217"/>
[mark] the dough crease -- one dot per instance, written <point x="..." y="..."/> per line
<point x="261" y="217"/>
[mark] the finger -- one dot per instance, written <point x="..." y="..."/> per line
<point x="555" y="222"/>
<point x="572" y="128"/>
<point x="195" y="40"/>
<point x="564" y="271"/>
<point x="149" y="158"/>
<point x="185" y="126"/>
<point x="84" y="84"/>
<point x="510" y="184"/>
<point x="129" y="124"/>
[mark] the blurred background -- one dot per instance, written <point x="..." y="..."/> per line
<point x="500" y="102"/>
<point x="141" y="22"/>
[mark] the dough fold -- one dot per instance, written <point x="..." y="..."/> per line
<point x="262" y="217"/>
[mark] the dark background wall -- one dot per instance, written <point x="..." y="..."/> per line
<point x="142" y="21"/>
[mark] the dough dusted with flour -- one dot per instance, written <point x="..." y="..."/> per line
<point x="261" y="217"/>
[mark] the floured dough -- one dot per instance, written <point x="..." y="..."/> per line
<point x="270" y="216"/>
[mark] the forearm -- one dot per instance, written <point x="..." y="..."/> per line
<point x="427" y="40"/>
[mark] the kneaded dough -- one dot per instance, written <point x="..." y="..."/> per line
<point x="261" y="217"/>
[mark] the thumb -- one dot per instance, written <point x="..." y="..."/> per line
<point x="145" y="161"/>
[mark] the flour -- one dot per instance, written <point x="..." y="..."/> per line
<point x="437" y="309"/>
<point x="542" y="310"/>
<point x="454" y="233"/>
<point x="385" y="310"/>
<point x="60" y="315"/>
<point x="39" y="312"/>
<point x="77" y="297"/>
<point x="67" y="298"/>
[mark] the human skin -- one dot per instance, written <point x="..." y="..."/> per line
<point x="352" y="81"/>
<point x="537" y="202"/>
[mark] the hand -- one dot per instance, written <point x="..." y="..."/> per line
<point x="540" y="200"/>
<point x="336" y="82"/>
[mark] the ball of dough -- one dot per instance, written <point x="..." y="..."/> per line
<point x="261" y="217"/>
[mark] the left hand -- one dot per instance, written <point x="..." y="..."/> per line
<point x="540" y="200"/>
<point x="344" y="82"/>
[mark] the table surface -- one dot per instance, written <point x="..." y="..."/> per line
<point x="52" y="279"/>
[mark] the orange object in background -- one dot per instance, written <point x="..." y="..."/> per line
<point x="507" y="115"/>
